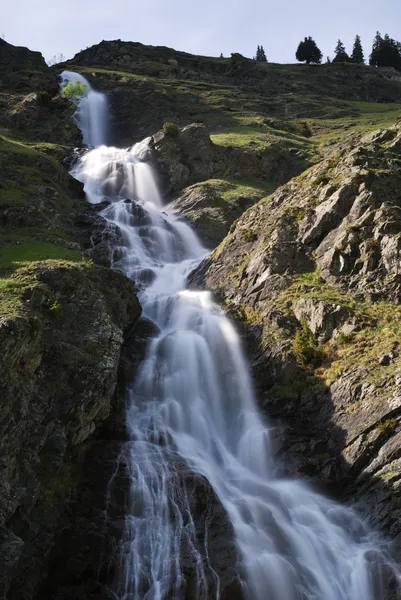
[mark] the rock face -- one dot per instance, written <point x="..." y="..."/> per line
<point x="313" y="273"/>
<point x="60" y="353"/>
<point x="322" y="318"/>
<point x="191" y="156"/>
<point x="30" y="107"/>
<point x="63" y="322"/>
<point x="212" y="207"/>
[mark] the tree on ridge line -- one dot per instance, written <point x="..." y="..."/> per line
<point x="308" y="52"/>
<point x="386" y="52"/>
<point x="357" y="51"/>
<point x="260" y="54"/>
<point x="340" y="53"/>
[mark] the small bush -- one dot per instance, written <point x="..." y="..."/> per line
<point x="249" y="236"/>
<point x="55" y="307"/>
<point x="387" y="426"/>
<point x="322" y="179"/>
<point x="171" y="129"/>
<point x="305" y="348"/>
<point x="74" y="91"/>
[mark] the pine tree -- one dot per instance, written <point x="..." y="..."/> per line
<point x="386" y="52"/>
<point x="308" y="52"/>
<point x="340" y="53"/>
<point x="357" y="51"/>
<point x="377" y="42"/>
<point x="260" y="54"/>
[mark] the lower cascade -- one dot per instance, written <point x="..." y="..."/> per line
<point x="191" y="410"/>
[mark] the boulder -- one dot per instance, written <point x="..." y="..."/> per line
<point x="322" y="318"/>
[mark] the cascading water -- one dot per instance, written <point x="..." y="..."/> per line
<point x="192" y="407"/>
<point x="91" y="113"/>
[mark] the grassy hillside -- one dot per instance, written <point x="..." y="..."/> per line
<point x="244" y="102"/>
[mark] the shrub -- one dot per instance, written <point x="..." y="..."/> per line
<point x="74" y="91"/>
<point x="305" y="347"/>
<point x="249" y="236"/>
<point x="387" y="426"/>
<point x="171" y="129"/>
<point x="55" y="307"/>
<point x="322" y="179"/>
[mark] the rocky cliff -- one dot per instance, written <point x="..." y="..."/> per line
<point x="63" y="321"/>
<point x="313" y="274"/>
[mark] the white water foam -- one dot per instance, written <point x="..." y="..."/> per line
<point x="192" y="403"/>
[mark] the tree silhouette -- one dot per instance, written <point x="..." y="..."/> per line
<point x="357" y="51"/>
<point x="386" y="52"/>
<point x="340" y="53"/>
<point x="260" y="54"/>
<point x="308" y="52"/>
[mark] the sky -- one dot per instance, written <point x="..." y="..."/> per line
<point x="206" y="27"/>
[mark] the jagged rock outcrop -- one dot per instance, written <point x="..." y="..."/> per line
<point x="30" y="107"/>
<point x="212" y="206"/>
<point x="190" y="157"/>
<point x="313" y="272"/>
<point x="60" y="343"/>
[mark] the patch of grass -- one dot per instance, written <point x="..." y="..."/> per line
<point x="231" y="190"/>
<point x="248" y="236"/>
<point x="23" y="250"/>
<point x="256" y="183"/>
<point x="55" y="307"/>
<point x="15" y="286"/>
<point x="257" y="137"/>
<point x="354" y="117"/>
<point x="322" y="179"/>
<point x="74" y="91"/>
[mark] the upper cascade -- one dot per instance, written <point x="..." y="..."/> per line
<point x="91" y="115"/>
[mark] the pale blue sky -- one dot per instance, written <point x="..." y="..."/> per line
<point x="205" y="27"/>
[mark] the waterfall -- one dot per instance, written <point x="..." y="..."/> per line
<point x="91" y="113"/>
<point x="192" y="409"/>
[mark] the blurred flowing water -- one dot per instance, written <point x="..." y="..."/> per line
<point x="192" y="403"/>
